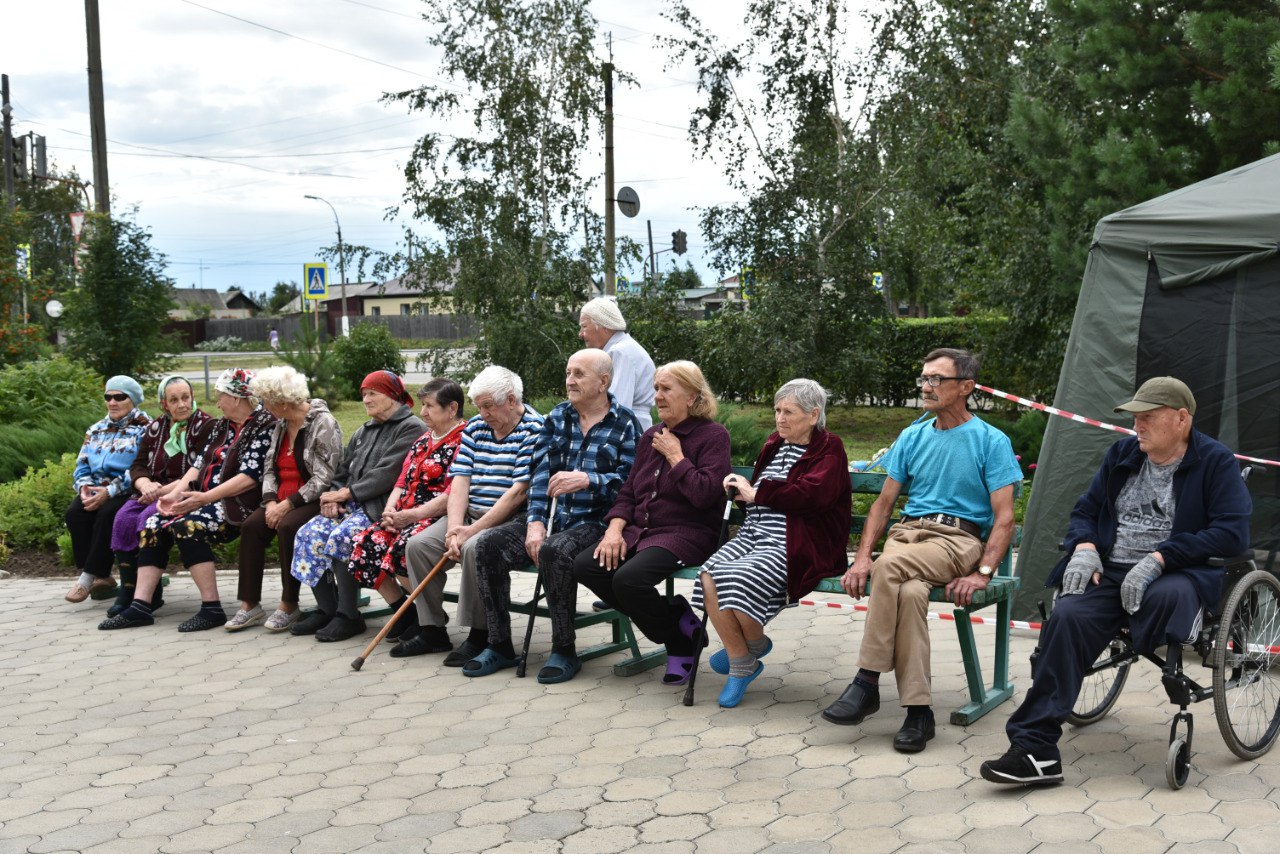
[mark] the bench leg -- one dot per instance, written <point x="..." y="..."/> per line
<point x="983" y="699"/>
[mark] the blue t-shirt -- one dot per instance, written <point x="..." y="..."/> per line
<point x="953" y="471"/>
<point x="494" y="464"/>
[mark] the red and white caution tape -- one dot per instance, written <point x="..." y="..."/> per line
<point x="1071" y="416"/>
<point x="932" y="615"/>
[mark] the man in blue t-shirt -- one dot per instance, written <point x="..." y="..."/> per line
<point x="960" y="475"/>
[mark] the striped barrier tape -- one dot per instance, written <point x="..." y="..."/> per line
<point x="932" y="615"/>
<point x="1071" y="416"/>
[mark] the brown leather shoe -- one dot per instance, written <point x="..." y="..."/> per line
<point x="76" y="594"/>
<point x="103" y="588"/>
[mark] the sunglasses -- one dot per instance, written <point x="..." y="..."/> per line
<point x="115" y="398"/>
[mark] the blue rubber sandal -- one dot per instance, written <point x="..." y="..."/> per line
<point x="488" y="662"/>
<point x="559" y="668"/>
<point x="733" y="690"/>
<point x="719" y="660"/>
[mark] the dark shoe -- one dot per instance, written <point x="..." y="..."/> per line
<point x="311" y="623"/>
<point x="487" y="663"/>
<point x="123" y="599"/>
<point x="1019" y="768"/>
<point x="129" y="618"/>
<point x="559" y="668"/>
<point x="102" y="589"/>
<point x="340" y="628"/>
<point x="204" y="620"/>
<point x="406" y="626"/>
<point x="599" y="605"/>
<point x="427" y="640"/>
<point x="916" y="731"/>
<point x="855" y="704"/>
<point x="463" y="654"/>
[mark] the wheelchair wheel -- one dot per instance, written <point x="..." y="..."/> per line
<point x="1177" y="764"/>
<point x="1102" y="685"/>
<point x="1246" y="666"/>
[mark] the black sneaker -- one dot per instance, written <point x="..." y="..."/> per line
<point x="1019" y="768"/>
<point x="341" y="628"/>
<point x="313" y="622"/>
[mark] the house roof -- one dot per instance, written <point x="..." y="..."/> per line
<point x="193" y="297"/>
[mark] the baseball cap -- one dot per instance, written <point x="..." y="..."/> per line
<point x="1160" y="391"/>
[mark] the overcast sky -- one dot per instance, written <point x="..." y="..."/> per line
<point x="223" y="114"/>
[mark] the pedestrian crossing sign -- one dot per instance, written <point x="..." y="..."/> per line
<point x="316" y="277"/>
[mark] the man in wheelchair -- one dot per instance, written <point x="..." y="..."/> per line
<point x="1138" y="547"/>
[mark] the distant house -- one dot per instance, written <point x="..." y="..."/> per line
<point x="237" y="300"/>
<point x="398" y="296"/>
<point x="208" y="303"/>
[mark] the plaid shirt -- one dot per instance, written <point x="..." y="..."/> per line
<point x="605" y="454"/>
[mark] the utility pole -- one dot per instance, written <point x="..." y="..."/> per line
<point x="610" y="274"/>
<point x="8" y="141"/>
<point x="653" y="259"/>
<point x="97" y="113"/>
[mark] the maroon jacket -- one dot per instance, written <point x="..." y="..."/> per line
<point x="677" y="509"/>
<point x="816" y="497"/>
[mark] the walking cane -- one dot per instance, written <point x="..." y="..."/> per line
<point x="537" y="592"/>
<point x="408" y="603"/>
<point x="700" y="637"/>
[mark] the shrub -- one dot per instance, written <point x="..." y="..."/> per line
<point x="369" y="348"/>
<point x="312" y="356"/>
<point x="746" y="437"/>
<point x="31" y="508"/>
<point x="45" y="408"/>
<point x="221" y="344"/>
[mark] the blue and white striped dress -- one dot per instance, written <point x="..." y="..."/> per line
<point x="750" y="571"/>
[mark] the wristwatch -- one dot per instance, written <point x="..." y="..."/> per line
<point x="985" y="571"/>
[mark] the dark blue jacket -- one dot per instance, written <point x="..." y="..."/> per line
<point x="1211" y="518"/>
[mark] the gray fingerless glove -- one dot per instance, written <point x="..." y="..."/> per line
<point x="1083" y="564"/>
<point x="1137" y="581"/>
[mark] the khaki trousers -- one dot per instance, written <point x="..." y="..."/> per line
<point x="918" y="556"/>
<point x="421" y="553"/>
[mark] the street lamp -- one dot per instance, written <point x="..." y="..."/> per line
<point x="342" y="264"/>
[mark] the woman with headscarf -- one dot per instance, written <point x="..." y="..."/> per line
<point x="419" y="498"/>
<point x="355" y="500"/>
<point x="213" y="499"/>
<point x="171" y="445"/>
<point x="102" y="485"/>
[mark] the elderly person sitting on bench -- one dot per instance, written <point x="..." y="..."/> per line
<point x="795" y="533"/>
<point x="584" y="453"/>
<point x="1139" y="543"/>
<point x="960" y="473"/>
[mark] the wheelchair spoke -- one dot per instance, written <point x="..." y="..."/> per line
<point x="1247" y="666"/>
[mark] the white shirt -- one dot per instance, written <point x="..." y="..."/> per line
<point x="633" y="373"/>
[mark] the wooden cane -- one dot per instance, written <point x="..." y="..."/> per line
<point x="537" y="592"/>
<point x="700" y="636"/>
<point x="408" y="603"/>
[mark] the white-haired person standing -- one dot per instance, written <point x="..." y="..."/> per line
<point x="602" y="326"/>
<point x="490" y="478"/>
<point x="305" y="451"/>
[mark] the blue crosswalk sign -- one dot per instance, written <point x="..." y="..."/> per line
<point x="316" y="277"/>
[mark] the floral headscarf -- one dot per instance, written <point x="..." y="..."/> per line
<point x="235" y="382"/>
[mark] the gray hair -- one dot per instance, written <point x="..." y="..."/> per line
<point x="808" y="395"/>
<point x="604" y="312"/>
<point x="966" y="363"/>
<point x="497" y="381"/>
<point x="280" y="384"/>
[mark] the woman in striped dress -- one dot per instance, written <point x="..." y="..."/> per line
<point x="795" y="534"/>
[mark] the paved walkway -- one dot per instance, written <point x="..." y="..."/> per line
<point x="148" y="740"/>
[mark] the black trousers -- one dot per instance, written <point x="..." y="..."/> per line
<point x="632" y="588"/>
<point x="91" y="534"/>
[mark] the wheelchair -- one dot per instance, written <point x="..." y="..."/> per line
<point x="1240" y="644"/>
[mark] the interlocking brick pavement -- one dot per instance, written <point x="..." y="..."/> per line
<point x="149" y="740"/>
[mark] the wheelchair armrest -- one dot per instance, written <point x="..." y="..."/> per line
<point x="1246" y="557"/>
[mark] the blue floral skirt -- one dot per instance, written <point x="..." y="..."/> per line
<point x="322" y="541"/>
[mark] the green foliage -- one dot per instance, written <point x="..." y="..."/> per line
<point x="746" y="437"/>
<point x="114" y="319"/>
<point x="282" y="293"/>
<point x="1026" y="435"/>
<point x="66" y="550"/>
<point x="222" y="344"/>
<point x="31" y="508"/>
<point x="45" y="408"/>
<point x="311" y="355"/>
<point x="904" y="343"/>
<point x="655" y="319"/>
<point x="369" y="348"/>
<point x="509" y="201"/>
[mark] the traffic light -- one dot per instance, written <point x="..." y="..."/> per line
<point x="678" y="242"/>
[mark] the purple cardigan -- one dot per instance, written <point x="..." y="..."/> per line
<point x="677" y="509"/>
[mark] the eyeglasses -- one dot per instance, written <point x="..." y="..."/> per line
<point x="934" y="382"/>
<point x="115" y="398"/>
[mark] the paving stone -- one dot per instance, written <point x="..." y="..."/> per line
<point x="337" y="840"/>
<point x="468" y="839"/>
<point x="673" y="828"/>
<point x="932" y="828"/>
<point x="595" y="840"/>
<point x="550" y="825"/>
<point x="165" y="822"/>
<point x="878" y="840"/>
<point x="1131" y="840"/>
<point x="77" y="837"/>
<point x="1062" y="828"/>
<point x="207" y="838"/>
<point x="248" y="811"/>
<point x="42" y="823"/>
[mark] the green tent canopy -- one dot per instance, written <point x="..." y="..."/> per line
<point x="1184" y="285"/>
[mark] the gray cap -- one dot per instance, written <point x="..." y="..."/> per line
<point x="1161" y="391"/>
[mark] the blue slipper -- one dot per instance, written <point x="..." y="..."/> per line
<point x="719" y="660"/>
<point x="733" y="690"/>
<point x="487" y="662"/>
<point x="559" y="668"/>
